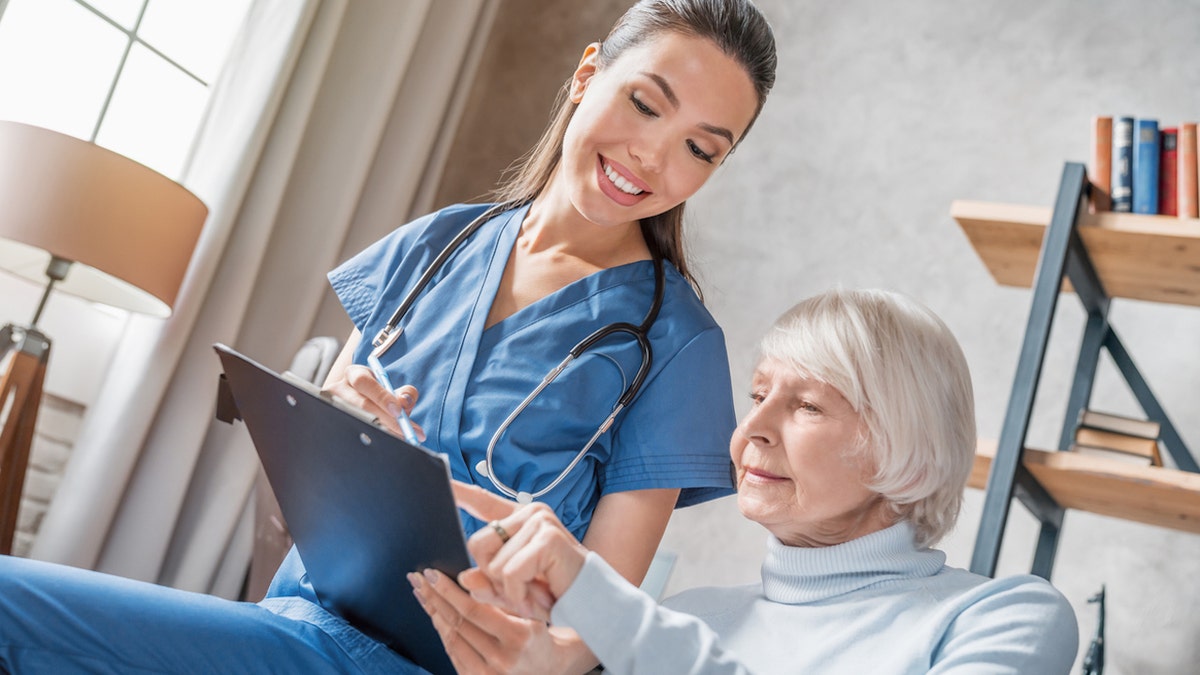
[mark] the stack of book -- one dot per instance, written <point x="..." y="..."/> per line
<point x="1140" y="168"/>
<point x="1117" y="437"/>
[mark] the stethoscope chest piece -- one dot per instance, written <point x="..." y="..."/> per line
<point x="481" y="468"/>
<point x="641" y="334"/>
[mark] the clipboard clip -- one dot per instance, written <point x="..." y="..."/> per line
<point x="227" y="409"/>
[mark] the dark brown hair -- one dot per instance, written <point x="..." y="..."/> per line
<point x="735" y="26"/>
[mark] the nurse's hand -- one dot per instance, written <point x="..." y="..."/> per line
<point x="357" y="386"/>
<point x="481" y="638"/>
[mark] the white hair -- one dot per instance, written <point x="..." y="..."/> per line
<point x="901" y="369"/>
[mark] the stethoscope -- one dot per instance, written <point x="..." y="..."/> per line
<point x="387" y="336"/>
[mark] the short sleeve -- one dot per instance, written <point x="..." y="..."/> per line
<point x="361" y="281"/>
<point x="676" y="432"/>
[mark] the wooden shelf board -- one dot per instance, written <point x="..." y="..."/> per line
<point x="1146" y="494"/>
<point x="1142" y="257"/>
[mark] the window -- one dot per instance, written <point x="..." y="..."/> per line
<point x="132" y="75"/>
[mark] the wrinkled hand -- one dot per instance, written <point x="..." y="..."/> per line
<point x="481" y="638"/>
<point x="358" y="386"/>
<point x="527" y="573"/>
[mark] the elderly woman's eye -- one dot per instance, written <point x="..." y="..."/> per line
<point x="756" y="397"/>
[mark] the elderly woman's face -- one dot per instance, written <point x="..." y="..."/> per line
<point x="799" y="473"/>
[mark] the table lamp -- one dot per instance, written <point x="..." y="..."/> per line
<point x="86" y="221"/>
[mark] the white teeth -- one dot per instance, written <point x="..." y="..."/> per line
<point x="618" y="180"/>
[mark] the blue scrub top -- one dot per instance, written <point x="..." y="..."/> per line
<point x="676" y="432"/>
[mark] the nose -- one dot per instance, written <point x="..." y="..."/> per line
<point x="759" y="426"/>
<point x="650" y="150"/>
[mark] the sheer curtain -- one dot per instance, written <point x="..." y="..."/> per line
<point x="324" y="125"/>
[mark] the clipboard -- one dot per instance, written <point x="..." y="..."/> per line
<point x="364" y="507"/>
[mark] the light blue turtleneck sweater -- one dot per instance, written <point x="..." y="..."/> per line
<point x="874" y="605"/>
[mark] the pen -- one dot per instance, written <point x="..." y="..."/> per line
<point x="406" y="426"/>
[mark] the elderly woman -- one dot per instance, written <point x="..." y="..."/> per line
<point x="854" y="457"/>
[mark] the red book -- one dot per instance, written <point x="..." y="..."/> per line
<point x="1187" y="187"/>
<point x="1168" y="172"/>
<point x="1100" y="173"/>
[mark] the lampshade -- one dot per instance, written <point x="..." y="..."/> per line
<point x="128" y="229"/>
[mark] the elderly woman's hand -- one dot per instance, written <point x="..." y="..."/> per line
<point x="480" y="638"/>
<point x="526" y="558"/>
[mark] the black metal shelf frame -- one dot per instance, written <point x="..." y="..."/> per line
<point x="1062" y="253"/>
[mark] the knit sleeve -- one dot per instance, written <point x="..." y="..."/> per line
<point x="630" y="633"/>
<point x="1009" y="626"/>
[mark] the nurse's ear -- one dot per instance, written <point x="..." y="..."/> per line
<point x="585" y="71"/>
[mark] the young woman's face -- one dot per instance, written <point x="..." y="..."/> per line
<point x="652" y="126"/>
<point x="799" y="472"/>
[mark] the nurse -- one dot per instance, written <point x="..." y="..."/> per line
<point x="586" y="235"/>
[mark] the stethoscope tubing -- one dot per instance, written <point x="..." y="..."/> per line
<point x="387" y="336"/>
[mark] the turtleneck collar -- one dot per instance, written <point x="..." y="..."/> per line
<point x="794" y="575"/>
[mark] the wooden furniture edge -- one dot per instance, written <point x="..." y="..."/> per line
<point x="1023" y="214"/>
<point x="1143" y="257"/>
<point x="1147" y="494"/>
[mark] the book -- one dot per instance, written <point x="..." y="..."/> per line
<point x="1117" y="442"/>
<point x="1189" y="205"/>
<point x="1109" y="453"/>
<point x="1168" y="172"/>
<point x="1100" y="173"/>
<point x="1121" y="424"/>
<point x="1145" y="166"/>
<point x="1121" y="181"/>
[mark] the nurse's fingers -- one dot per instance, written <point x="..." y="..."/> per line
<point x="406" y="396"/>
<point x="462" y="639"/>
<point x="495" y="634"/>
<point x="360" y="388"/>
<point x="363" y="382"/>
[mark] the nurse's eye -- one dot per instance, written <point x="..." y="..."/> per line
<point x="642" y="107"/>
<point x="698" y="153"/>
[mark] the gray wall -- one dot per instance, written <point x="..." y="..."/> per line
<point x="884" y="113"/>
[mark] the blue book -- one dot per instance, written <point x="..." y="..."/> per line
<point x="1145" y="167"/>
<point x="1122" y="164"/>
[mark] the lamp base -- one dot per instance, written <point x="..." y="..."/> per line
<point x="26" y="350"/>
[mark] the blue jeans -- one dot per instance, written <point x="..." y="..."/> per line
<point x="58" y="619"/>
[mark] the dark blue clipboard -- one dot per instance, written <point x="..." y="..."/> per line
<point x="364" y="506"/>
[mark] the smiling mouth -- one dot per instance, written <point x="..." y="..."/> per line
<point x="761" y="475"/>
<point x="619" y="181"/>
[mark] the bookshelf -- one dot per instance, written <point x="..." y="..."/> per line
<point x="1095" y="257"/>
<point x="1110" y="487"/>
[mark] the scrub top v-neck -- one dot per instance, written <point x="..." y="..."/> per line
<point x="675" y="434"/>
